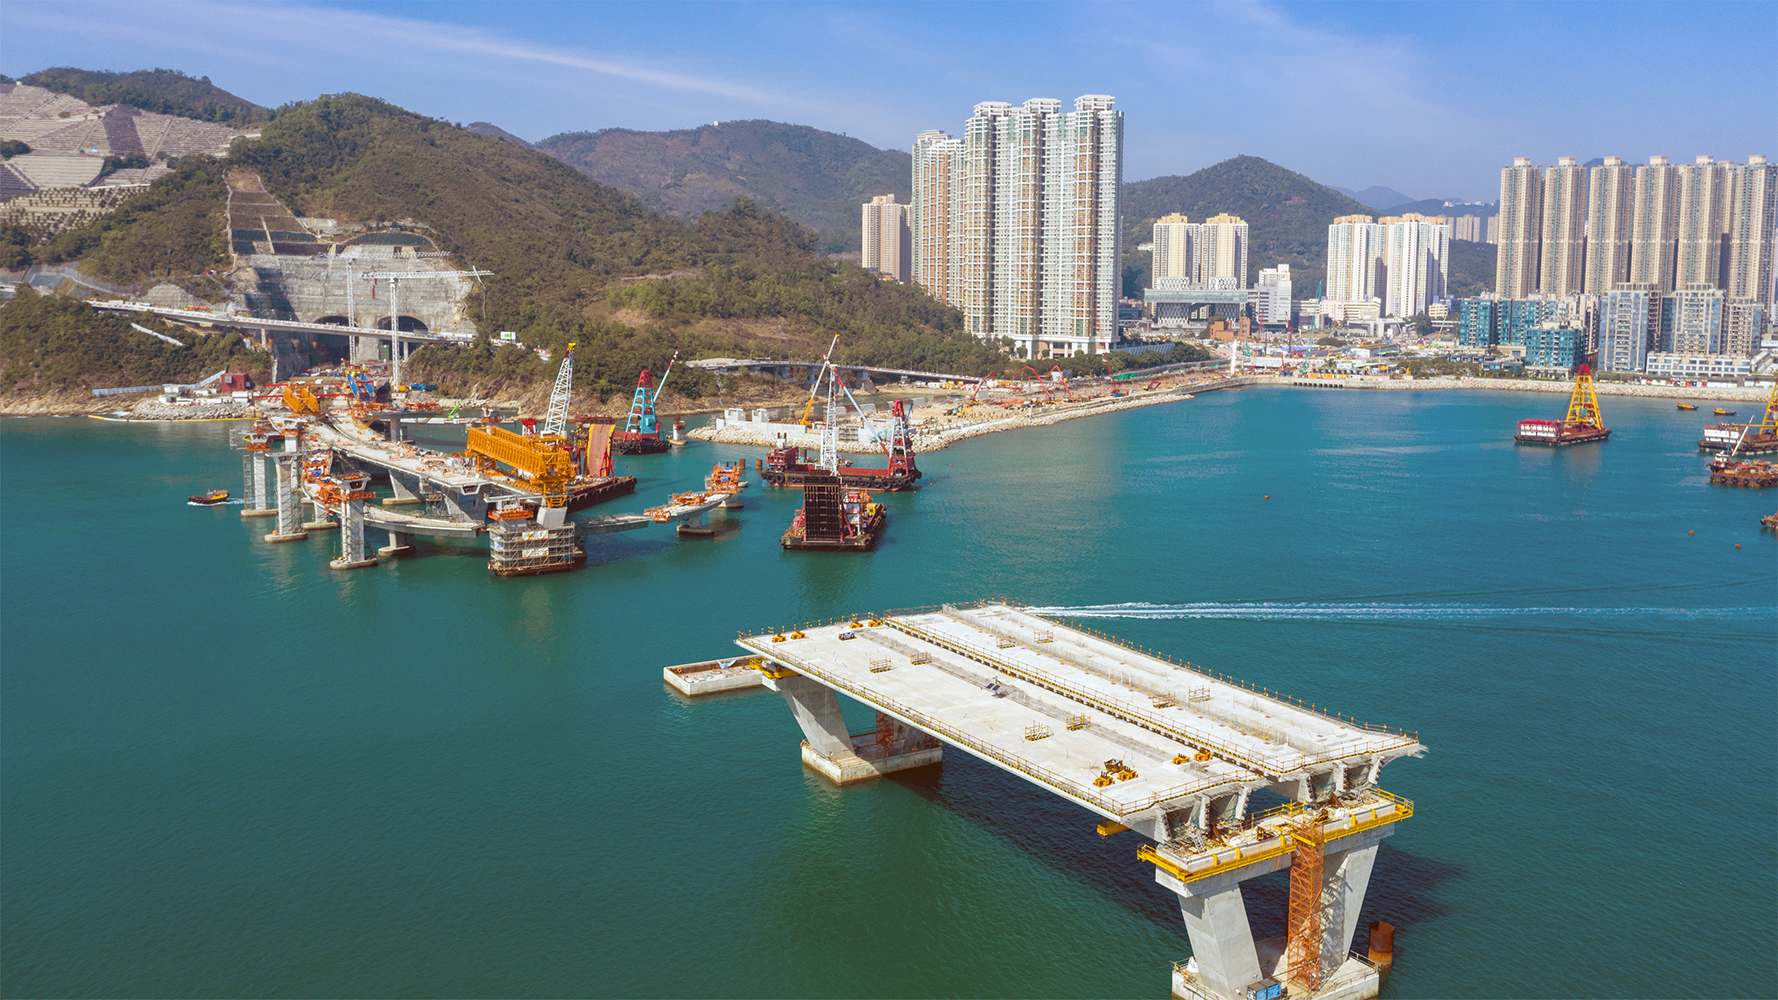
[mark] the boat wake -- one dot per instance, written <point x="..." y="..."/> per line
<point x="1356" y="611"/>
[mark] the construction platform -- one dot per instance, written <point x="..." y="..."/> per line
<point x="1155" y="745"/>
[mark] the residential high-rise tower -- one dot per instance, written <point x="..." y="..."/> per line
<point x="1752" y="221"/>
<point x="1017" y="223"/>
<point x="1520" y="233"/>
<point x="888" y="248"/>
<point x="1563" y="233"/>
<point x="1608" y="225"/>
<point x="1703" y="222"/>
<point x="1654" y="223"/>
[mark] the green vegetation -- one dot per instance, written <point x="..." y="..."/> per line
<point x="1287" y="217"/>
<point x="1426" y="367"/>
<point x="165" y="91"/>
<point x="1472" y="268"/>
<point x="569" y="254"/>
<point x="1122" y="361"/>
<point x="816" y="178"/>
<point x="50" y="343"/>
<point x="10" y="148"/>
<point x="175" y="226"/>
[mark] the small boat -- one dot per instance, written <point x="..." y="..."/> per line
<point x="209" y="499"/>
<point x="1719" y="411"/>
<point x="1687" y="406"/>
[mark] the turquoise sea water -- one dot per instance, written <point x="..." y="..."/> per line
<point x="229" y="771"/>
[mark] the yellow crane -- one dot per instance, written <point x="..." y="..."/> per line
<point x="541" y="462"/>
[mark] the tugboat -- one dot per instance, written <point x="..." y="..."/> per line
<point x="1719" y="411"/>
<point x="209" y="499"/>
<point x="1686" y="406"/>
<point x="1580" y="426"/>
<point x="835" y="519"/>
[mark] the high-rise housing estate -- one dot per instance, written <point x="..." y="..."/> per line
<point x="1468" y="227"/>
<point x="1175" y="243"/>
<point x="1017" y="223"/>
<point x="1703" y="222"/>
<point x="1697" y="321"/>
<point x="1654" y="224"/>
<point x="1221" y="258"/>
<point x="1753" y="220"/>
<point x="1517" y="259"/>
<point x="1609" y="192"/>
<point x="1563" y="236"/>
<point x="1354" y="259"/>
<point x="1629" y="326"/>
<point x="1416" y="262"/>
<point x="888" y="246"/>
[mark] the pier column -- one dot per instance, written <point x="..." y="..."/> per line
<point x="1222" y="941"/>
<point x="258" y="498"/>
<point x="398" y="545"/>
<point x="353" y="493"/>
<point x="1345" y="877"/>
<point x="817" y="711"/>
<point x="289" y="469"/>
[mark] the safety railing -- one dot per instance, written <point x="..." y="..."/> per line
<point x="886" y="616"/>
<point x="1357" y="819"/>
<point x="1031" y="769"/>
<point x="1145" y="716"/>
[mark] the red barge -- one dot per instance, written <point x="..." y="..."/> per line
<point x="788" y="466"/>
<point x="1580" y="426"/>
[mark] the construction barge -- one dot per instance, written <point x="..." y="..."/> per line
<point x="788" y="466"/>
<point x="1580" y="426"/>
<point x="1726" y="470"/>
<point x="834" y="518"/>
<point x="1745" y="439"/>
<point x="642" y="431"/>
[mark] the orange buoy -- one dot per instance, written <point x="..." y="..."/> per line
<point x="1691" y="532"/>
<point x="1268" y="496"/>
<point x="1737" y="545"/>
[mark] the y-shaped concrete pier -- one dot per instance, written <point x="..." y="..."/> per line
<point x="1167" y="749"/>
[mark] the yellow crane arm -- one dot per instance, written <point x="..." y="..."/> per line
<point x="548" y="466"/>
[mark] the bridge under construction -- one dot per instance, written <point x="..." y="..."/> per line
<point x="1147" y="743"/>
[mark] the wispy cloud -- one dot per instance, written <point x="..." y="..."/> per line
<point x="286" y="34"/>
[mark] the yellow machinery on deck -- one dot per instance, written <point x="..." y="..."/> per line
<point x="300" y="399"/>
<point x="1583" y="403"/>
<point x="544" y="465"/>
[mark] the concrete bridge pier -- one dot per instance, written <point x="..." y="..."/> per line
<point x="353" y="494"/>
<point x="839" y="755"/>
<point x="258" y="500"/>
<point x="1228" y="958"/>
<point x="289" y="492"/>
<point x="398" y="545"/>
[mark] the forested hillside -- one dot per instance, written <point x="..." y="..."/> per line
<point x="51" y="344"/>
<point x="817" y="178"/>
<point x="574" y="260"/>
<point x="164" y="91"/>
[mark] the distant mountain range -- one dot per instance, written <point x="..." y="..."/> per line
<point x="816" y="178"/>
<point x="163" y="91"/>
<point x="1375" y="196"/>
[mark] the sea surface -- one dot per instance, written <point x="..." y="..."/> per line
<point x="229" y="771"/>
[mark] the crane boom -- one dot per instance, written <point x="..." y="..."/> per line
<point x="556" y="421"/>
<point x="663" y="382"/>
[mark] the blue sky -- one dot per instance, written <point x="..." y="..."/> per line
<point x="1428" y="98"/>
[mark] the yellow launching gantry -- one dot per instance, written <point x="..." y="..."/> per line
<point x="542" y="462"/>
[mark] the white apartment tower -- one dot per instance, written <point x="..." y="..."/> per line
<point x="1354" y="259"/>
<point x="1017" y="223"/>
<point x="1416" y="262"/>
<point x="1221" y="258"/>
<point x="1563" y="235"/>
<point x="1175" y="245"/>
<point x="1703" y="222"/>
<point x="1609" y="195"/>
<point x="888" y="247"/>
<point x="1752" y="224"/>
<point x="1517" y="260"/>
<point x="1654" y="224"/>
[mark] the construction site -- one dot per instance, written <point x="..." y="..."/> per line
<point x="321" y="441"/>
<point x="1223" y="781"/>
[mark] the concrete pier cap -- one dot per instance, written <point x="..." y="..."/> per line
<point x="1148" y="743"/>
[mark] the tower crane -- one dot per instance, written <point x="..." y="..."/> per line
<point x="395" y="278"/>
<point x="556" y="422"/>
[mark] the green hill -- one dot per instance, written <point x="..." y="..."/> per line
<point x="573" y="259"/>
<point x="816" y="178"/>
<point x="166" y="91"/>
<point x="1472" y="268"/>
<point x="1287" y="216"/>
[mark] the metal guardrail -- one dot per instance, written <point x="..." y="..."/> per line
<point x="1068" y="786"/>
<point x="1146" y="717"/>
<point x="1225" y="859"/>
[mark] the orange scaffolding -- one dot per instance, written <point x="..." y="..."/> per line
<point x="1303" y="951"/>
